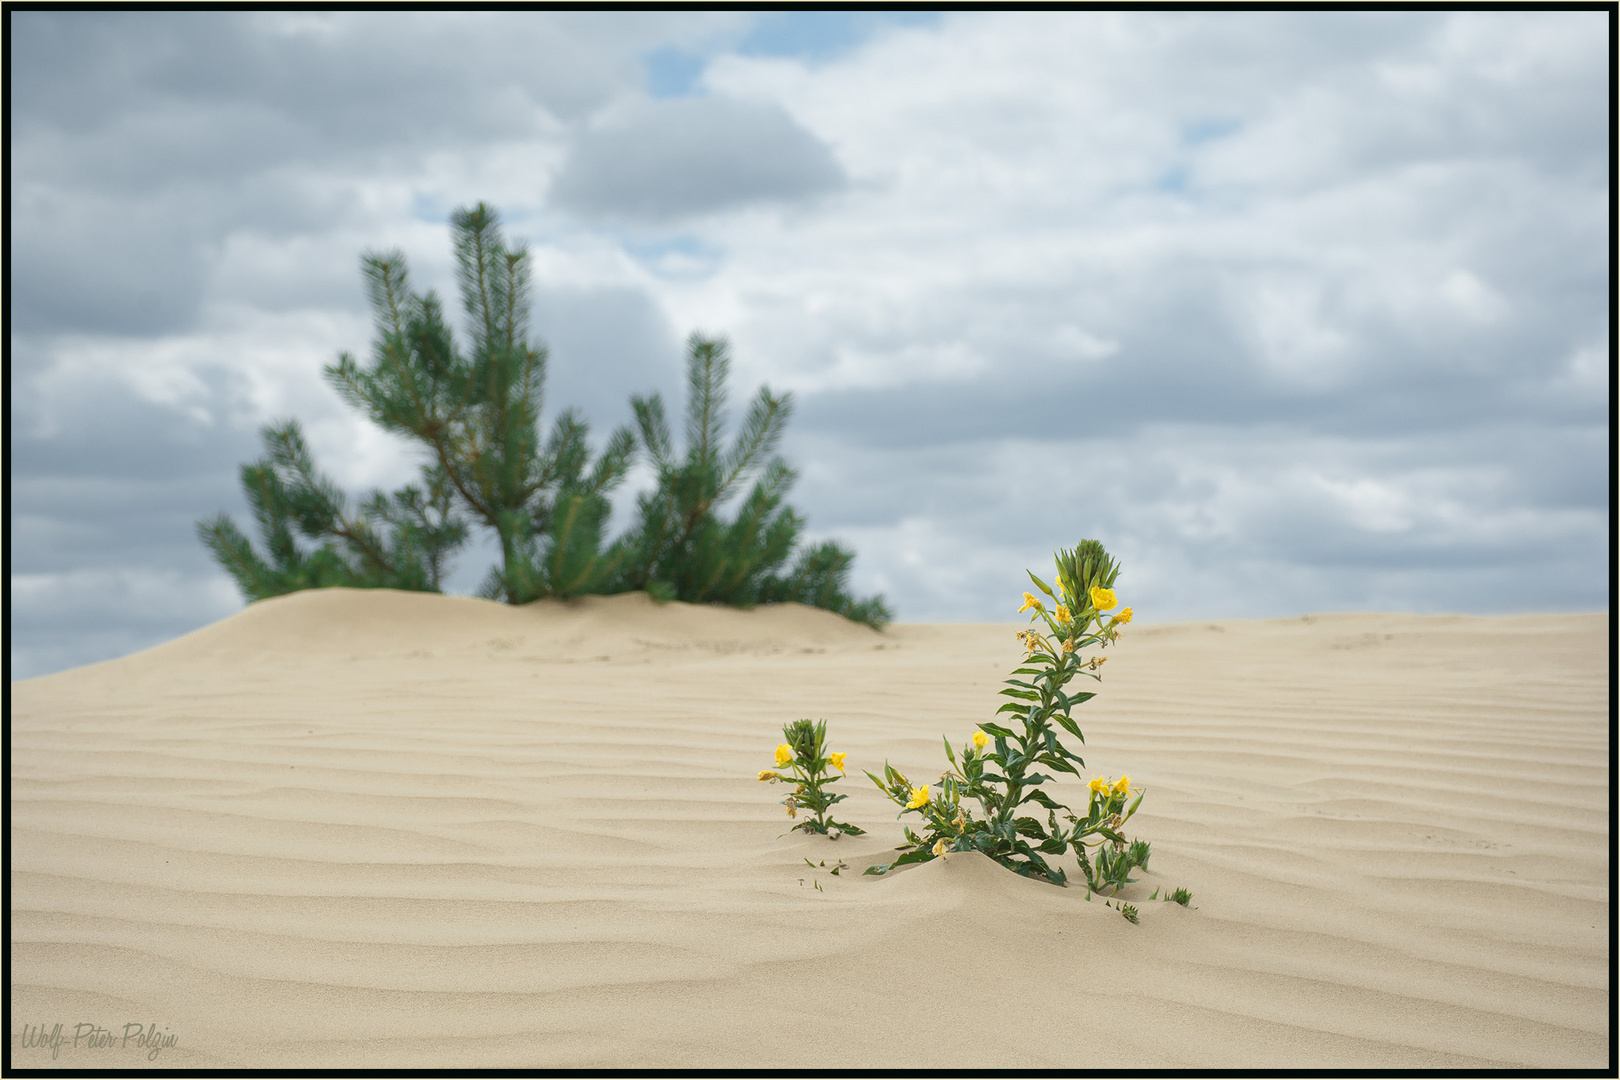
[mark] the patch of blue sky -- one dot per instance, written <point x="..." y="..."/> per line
<point x="430" y="208"/>
<point x="673" y="72"/>
<point x="675" y="256"/>
<point x="814" y="36"/>
<point x="824" y="35"/>
<point x="1174" y="181"/>
<point x="1203" y="131"/>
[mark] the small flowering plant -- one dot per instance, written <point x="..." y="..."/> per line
<point x="1004" y="779"/>
<point x="803" y="754"/>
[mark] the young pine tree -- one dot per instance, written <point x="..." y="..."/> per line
<point x="478" y="414"/>
<point x="682" y="547"/>
<point x="396" y="542"/>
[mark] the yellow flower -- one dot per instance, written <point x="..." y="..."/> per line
<point x="1099" y="783"/>
<point x="1030" y="602"/>
<point x="784" y="754"/>
<point x="980" y="739"/>
<point x="1123" y="617"/>
<point x="1122" y="786"/>
<point x="838" y="761"/>
<point x="1063" y="615"/>
<point x="1102" y="599"/>
<point x="939" y="849"/>
<point x="766" y="774"/>
<point x="919" y="798"/>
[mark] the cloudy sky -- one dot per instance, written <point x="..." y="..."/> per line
<point x="1295" y="312"/>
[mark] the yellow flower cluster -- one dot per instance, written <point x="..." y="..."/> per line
<point x="784" y="756"/>
<point x="1123" y="617"/>
<point x="1031" y="602"/>
<point x="1103" y="786"/>
<point x="919" y="798"/>
<point x="980" y="740"/>
<point x="1102" y="599"/>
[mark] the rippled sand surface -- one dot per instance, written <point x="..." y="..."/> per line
<point x="376" y="829"/>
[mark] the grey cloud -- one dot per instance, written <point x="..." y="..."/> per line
<point x="605" y="345"/>
<point x="140" y="138"/>
<point x="111" y="476"/>
<point x="89" y="264"/>
<point x="342" y="81"/>
<point x="104" y="556"/>
<point x="687" y="156"/>
<point x="1209" y="525"/>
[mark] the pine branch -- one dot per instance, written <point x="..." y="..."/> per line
<point x="761" y="431"/>
<point x="649" y="414"/>
<point x="708" y="365"/>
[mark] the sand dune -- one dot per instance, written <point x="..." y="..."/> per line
<point x="349" y="828"/>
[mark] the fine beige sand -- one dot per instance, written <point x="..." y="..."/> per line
<point x="378" y="829"/>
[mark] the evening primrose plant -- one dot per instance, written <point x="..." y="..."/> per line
<point x="803" y="761"/>
<point x="998" y="768"/>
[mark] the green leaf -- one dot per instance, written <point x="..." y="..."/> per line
<point x="919" y="856"/>
<point x="878" y="870"/>
<point x="1028" y="826"/>
<point x="997" y="730"/>
<point x="1055" y="762"/>
<point x="1039" y="796"/>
